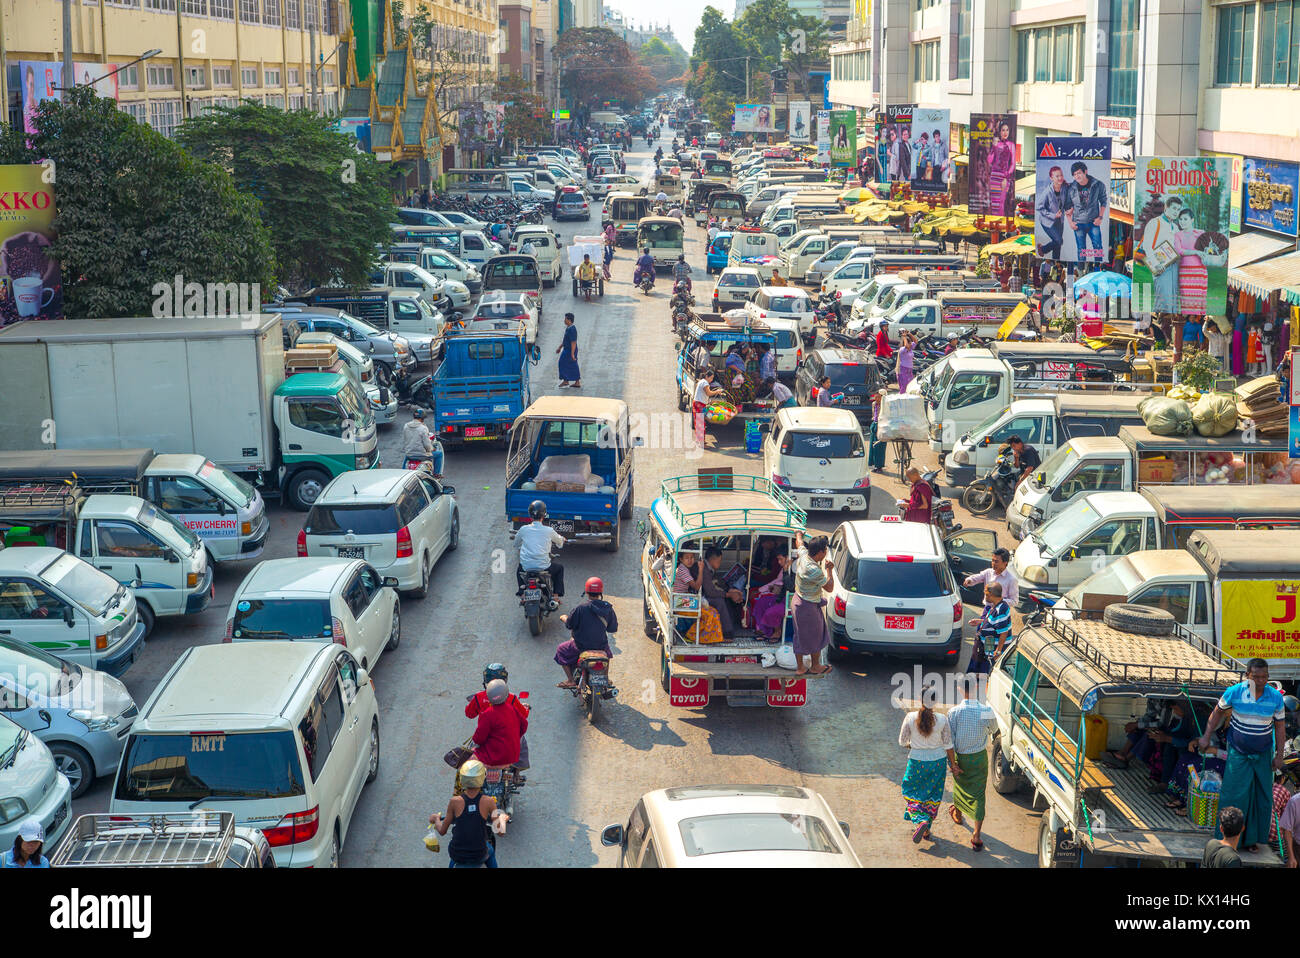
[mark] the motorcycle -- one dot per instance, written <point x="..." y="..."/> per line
<point x="502" y="782"/>
<point x="535" y="595"/>
<point x="996" y="488"/>
<point x="593" y="687"/>
<point x="645" y="281"/>
<point x="1043" y="603"/>
<point x="413" y="390"/>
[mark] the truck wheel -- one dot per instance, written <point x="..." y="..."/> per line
<point x="682" y="405"/>
<point x="1137" y="619"/>
<point x="664" y="682"/>
<point x="626" y="511"/>
<point x="575" y="288"/>
<point x="1005" y="780"/>
<point x="647" y="620"/>
<point x="612" y="544"/>
<point x="146" y="616"/>
<point x="422" y="590"/>
<point x="453" y="541"/>
<point x="1046" y="843"/>
<point x="306" y="488"/>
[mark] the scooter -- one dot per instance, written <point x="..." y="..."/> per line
<point x="414" y="390"/>
<point x="593" y="687"/>
<point x="995" y="489"/>
<point x="535" y="593"/>
<point x="646" y="282"/>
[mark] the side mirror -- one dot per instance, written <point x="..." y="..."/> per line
<point x="612" y="835"/>
<point x="363" y="677"/>
<point x="448" y="490"/>
<point x="765" y="427"/>
<point x="390" y="582"/>
<point x="139" y="579"/>
<point x="222" y="507"/>
<point x="1072" y="554"/>
<point x="69" y="616"/>
<point x="677" y="347"/>
<point x="638" y="441"/>
<point x="844" y="827"/>
<point x="171" y="556"/>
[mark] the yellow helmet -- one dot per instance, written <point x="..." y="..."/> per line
<point x="473" y="773"/>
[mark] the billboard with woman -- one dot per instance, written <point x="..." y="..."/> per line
<point x="992" y="167"/>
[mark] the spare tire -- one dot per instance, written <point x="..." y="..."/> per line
<point x="1138" y="619"/>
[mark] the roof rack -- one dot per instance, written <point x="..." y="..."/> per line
<point x="783" y="513"/>
<point x="193" y="840"/>
<point x="1159" y="667"/>
<point x="29" y="494"/>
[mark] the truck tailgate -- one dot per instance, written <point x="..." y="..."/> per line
<point x="487" y="397"/>
<point x="587" y="506"/>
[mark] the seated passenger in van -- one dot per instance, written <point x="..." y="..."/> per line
<point x="1157" y="739"/>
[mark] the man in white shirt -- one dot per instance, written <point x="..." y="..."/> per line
<point x="535" y="540"/>
<point x="1001" y="574"/>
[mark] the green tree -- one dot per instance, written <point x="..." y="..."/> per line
<point x="665" y="62"/>
<point x="769" y="27"/>
<point x="527" y="119"/>
<point x="597" y="65"/>
<point x="325" y="204"/>
<point x="135" y="209"/>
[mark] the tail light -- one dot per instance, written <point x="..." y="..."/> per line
<point x="597" y="665"/>
<point x="532" y="583"/>
<point x="898" y="558"/>
<point x="449" y="428"/>
<point x="404" y="548"/>
<point x="863" y="483"/>
<point x="798" y="356"/>
<point x="781" y="481"/>
<point x="336" y="627"/>
<point x="841" y="608"/>
<point x="956" y="611"/>
<point x="230" y="630"/>
<point x="302" y="542"/>
<point x="294" y="828"/>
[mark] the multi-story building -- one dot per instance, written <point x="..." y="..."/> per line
<point x="515" y="50"/>
<point x="281" y="53"/>
<point x="633" y="34"/>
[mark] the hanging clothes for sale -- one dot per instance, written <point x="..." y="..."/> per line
<point x="1254" y="348"/>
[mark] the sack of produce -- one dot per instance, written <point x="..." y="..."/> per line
<point x="1215" y="414"/>
<point x="1165" y="416"/>
<point x="719" y="412"/>
<point x="902" y="417"/>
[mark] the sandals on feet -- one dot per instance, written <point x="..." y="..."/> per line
<point x="955" y="814"/>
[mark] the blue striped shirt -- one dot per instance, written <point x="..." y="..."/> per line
<point x="1251" y="726"/>
<point x="972" y="722"/>
<point x="995" y="623"/>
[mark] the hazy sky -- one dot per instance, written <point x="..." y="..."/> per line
<point x="682" y="15"/>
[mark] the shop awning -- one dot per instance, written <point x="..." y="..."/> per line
<point x="1026" y="187"/>
<point x="1247" y="248"/>
<point x="1263" y="277"/>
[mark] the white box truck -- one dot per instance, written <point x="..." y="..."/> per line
<point x="215" y="387"/>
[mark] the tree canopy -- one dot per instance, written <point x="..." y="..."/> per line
<point x="598" y="66"/>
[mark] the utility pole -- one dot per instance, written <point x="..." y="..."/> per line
<point x="68" y="78"/>
<point x="746" y="79"/>
<point x="315" y="103"/>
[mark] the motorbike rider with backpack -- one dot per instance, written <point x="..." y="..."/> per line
<point x="591" y="622"/>
<point x="418" y="445"/>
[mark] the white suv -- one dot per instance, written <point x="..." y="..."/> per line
<point x="340" y="601"/>
<point x="818" y="456"/>
<point x="782" y="302"/>
<point x="398" y="520"/>
<point x="284" y="735"/>
<point x="894" y="592"/>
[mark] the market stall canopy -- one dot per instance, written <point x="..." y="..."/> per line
<point x="1015" y="246"/>
<point x="1247" y="248"/>
<point x="859" y="194"/>
<point x="1105" y="284"/>
<point x="1262" y="278"/>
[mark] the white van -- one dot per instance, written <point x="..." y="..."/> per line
<point x="829" y="261"/>
<point x="31" y="786"/>
<point x="282" y="734"/>
<point x="894" y="592"/>
<point x="817" y="456"/>
<point x="782" y="302"/>
<point x="867" y="299"/>
<point x="65" y="606"/>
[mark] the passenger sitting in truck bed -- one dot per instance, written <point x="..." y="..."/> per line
<point x="1158" y="737"/>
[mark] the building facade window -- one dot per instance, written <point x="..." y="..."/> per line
<point x="271" y="78"/>
<point x="295" y="101"/>
<point x="222" y="9"/>
<point x="925" y="61"/>
<point x="1023" y="38"/>
<point x="295" y="76"/>
<point x="195" y="8"/>
<point x="276" y="100"/>
<point x="1042" y="56"/>
<point x="248" y="76"/>
<point x="137" y="109"/>
<point x="327" y="76"/>
<point x="249" y="11"/>
<point x="271" y="12"/>
<point x="165" y="116"/>
<point x="292" y="15"/>
<point x="195" y="77"/>
<point x="1122" y="68"/>
<point x="162" y="78"/>
<point x="1279" y="33"/>
<point x="1235" y="56"/>
<point x="310" y="14"/>
<point x="1063" y="54"/>
<point x="162" y="6"/>
<point x="128" y="78"/>
<point x="964" y="29"/>
<point x="222" y="76"/>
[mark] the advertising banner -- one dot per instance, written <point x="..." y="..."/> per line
<point x="357" y="127"/>
<point x="479" y="126"/>
<point x="753" y="118"/>
<point x="931" y="159"/>
<point x="41" y="79"/>
<point x="1237" y="162"/>
<point x="823" y="136"/>
<point x="1271" y="190"/>
<point x="30" y="287"/>
<point x="1260" y="619"/>
<point x="1072" y="208"/>
<point x="897" y="136"/>
<point x="1180" y="235"/>
<point x="844" y="138"/>
<point x="800" y="121"/>
<point x="992" y="166"/>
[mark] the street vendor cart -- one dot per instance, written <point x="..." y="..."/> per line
<point x="593" y="246"/>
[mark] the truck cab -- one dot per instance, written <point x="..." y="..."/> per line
<point x="438" y="262"/>
<point x="326" y="429"/>
<point x="799" y="256"/>
<point x="546" y="248"/>
<point x="481" y="386"/>
<point x="665" y="238"/>
<point x="515" y="273"/>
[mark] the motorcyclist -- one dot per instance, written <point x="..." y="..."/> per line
<point x="535" y="540"/>
<point x="468" y="816"/>
<point x="591" y="623"/>
<point x="500" y="728"/>
<point x="418" y="445"/>
<point x="478" y="703"/>
<point x="645" y="265"/>
<point x="682" y="271"/>
<point x="659" y="154"/>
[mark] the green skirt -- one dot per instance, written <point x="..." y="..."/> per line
<point x="969" y="787"/>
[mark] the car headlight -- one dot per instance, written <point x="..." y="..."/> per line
<point x="1026" y="510"/>
<point x="11" y="809"/>
<point x="961" y="457"/>
<point x="1036" y="574"/>
<point x="936" y="431"/>
<point x="95" y="723"/>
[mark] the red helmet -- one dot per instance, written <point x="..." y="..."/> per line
<point x="594" y="586"/>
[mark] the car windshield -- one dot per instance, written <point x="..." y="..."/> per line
<point x="755" y="832"/>
<point x="661" y="235"/>
<point x="501" y="311"/>
<point x="785" y="338"/>
<point x="355" y="406"/>
<point x="821" y="445"/>
<point x="723" y="245"/>
<point x="743" y="280"/>
<point x="81" y="582"/>
<point x="1064" y="529"/>
<point x="36" y="670"/>
<point x="788" y="304"/>
<point x="987" y="425"/>
<point x="190" y="768"/>
<point x="868" y="291"/>
<point x="282" y="619"/>
<point x="365" y="520"/>
<point x="901" y="580"/>
<point x="167" y="528"/>
<point x="887" y="300"/>
<point x="226" y="483"/>
<point x="1116" y="579"/>
<point x="1056" y="466"/>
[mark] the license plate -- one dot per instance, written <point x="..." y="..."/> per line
<point x="475" y="432"/>
<point x="564" y="528"/>
<point x="351" y="552"/>
<point x="851" y="401"/>
<point x="900" y="622"/>
<point x="532" y="595"/>
<point x="822" y="502"/>
<point x="59" y="816"/>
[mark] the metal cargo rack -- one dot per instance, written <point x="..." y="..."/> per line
<point x="194" y="840"/>
<point x="26" y="494"/>
<point x="749" y="510"/>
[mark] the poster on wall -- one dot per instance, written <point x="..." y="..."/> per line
<point x="1180" y="235"/>
<point x="897" y="136"/>
<point x="823" y="136"/>
<point x="753" y="118"/>
<point x="30" y="287"/>
<point x="1261" y="619"/>
<point x="357" y="127"/>
<point x="992" y="167"/>
<point x="844" y="138"/>
<point x="1271" y="191"/>
<point x="800" y="121"/>
<point x="931" y="159"/>
<point x="1072" y="206"/>
<point x="42" y="79"/>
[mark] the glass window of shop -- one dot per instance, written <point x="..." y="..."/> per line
<point x="1122" y="68"/>
<point x="1235" y="45"/>
<point x="1279" y="33"/>
<point x="963" y="39"/>
<point x="1023" y="38"/>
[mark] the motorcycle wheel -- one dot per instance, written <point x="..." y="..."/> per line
<point x="593" y="704"/>
<point x="979" y="497"/>
<point x="535" y="624"/>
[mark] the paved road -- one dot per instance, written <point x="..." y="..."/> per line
<point x="843" y="743"/>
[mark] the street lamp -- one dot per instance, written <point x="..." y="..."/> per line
<point x="148" y="54"/>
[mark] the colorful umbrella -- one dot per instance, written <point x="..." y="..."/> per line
<point x="1104" y="284"/>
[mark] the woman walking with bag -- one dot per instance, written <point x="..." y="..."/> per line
<point x="929" y="739"/>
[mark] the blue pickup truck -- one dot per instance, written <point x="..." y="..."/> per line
<point x="481" y="386"/>
<point x="574" y="454"/>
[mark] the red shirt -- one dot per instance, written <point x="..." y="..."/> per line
<point x="499" y="729"/>
<point x="883" y="349"/>
<point x="479" y="703"/>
